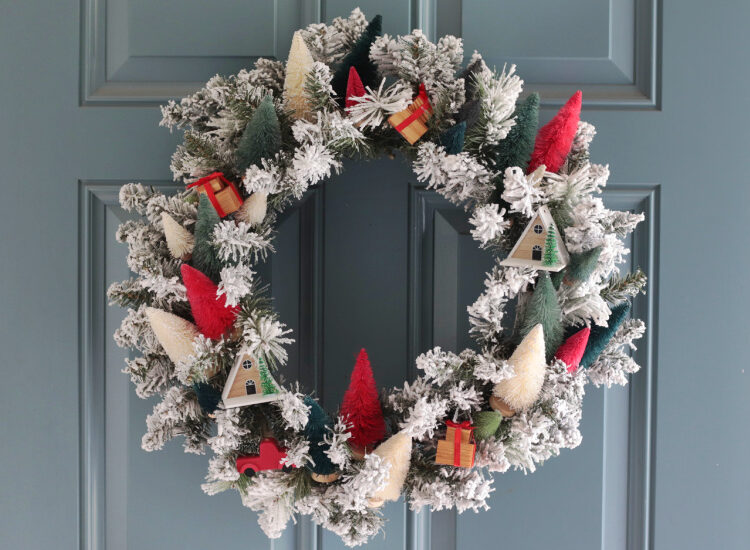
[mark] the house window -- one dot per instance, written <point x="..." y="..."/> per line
<point x="536" y="251"/>
<point x="250" y="387"/>
<point x="247" y="364"/>
<point x="538" y="229"/>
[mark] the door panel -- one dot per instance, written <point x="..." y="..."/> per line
<point x="79" y="119"/>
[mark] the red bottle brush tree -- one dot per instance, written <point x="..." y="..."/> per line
<point x="210" y="312"/>
<point x="555" y="138"/>
<point x="361" y="407"/>
<point x="354" y="88"/>
<point x="571" y="351"/>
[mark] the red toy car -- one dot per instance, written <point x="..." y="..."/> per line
<point x="269" y="458"/>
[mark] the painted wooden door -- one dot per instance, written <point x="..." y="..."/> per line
<point x="370" y="259"/>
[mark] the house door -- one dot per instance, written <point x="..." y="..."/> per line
<point x="250" y="387"/>
<point x="371" y="259"/>
<point x="536" y="253"/>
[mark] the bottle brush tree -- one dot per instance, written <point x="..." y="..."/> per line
<point x="261" y="138"/>
<point x="205" y="255"/>
<point x="298" y="65"/>
<point x="543" y="309"/>
<point x="210" y="312"/>
<point x="267" y="383"/>
<point x="516" y="148"/>
<point x="361" y="407"/>
<point x="555" y="138"/>
<point x="550" y="248"/>
<point x="600" y="336"/>
<point x="359" y="58"/>
<point x="354" y="88"/>
<point x="453" y="138"/>
<point x="318" y="426"/>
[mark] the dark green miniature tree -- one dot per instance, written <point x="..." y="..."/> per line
<point x="453" y="138"/>
<point x="205" y="255"/>
<point x="600" y="336"/>
<point x="359" y="58"/>
<point x="543" y="308"/>
<point x="550" y="248"/>
<point x="318" y="426"/>
<point x="516" y="148"/>
<point x="261" y="138"/>
<point x="581" y="265"/>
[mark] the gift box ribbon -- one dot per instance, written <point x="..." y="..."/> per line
<point x="465" y="425"/>
<point x="418" y="110"/>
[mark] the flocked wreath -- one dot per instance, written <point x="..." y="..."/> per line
<point x="210" y="341"/>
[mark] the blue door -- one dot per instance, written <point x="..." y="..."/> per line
<point x="371" y="259"/>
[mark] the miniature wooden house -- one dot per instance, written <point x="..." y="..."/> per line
<point x="458" y="447"/>
<point x="540" y="245"/>
<point x="249" y="382"/>
<point x="220" y="191"/>
<point x="411" y="122"/>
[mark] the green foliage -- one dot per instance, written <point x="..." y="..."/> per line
<point x="205" y="255"/>
<point x="359" y="58"/>
<point x="486" y="424"/>
<point x="267" y="384"/>
<point x="543" y="308"/>
<point x="550" y="248"/>
<point x="619" y="289"/>
<point x="262" y="137"/>
<point x="129" y="294"/>
<point x="581" y="265"/>
<point x="470" y="81"/>
<point x="600" y="336"/>
<point x="453" y="138"/>
<point x="516" y="148"/>
<point x="318" y="426"/>
<point x="317" y="92"/>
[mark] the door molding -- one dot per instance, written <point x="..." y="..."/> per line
<point x="96" y="197"/>
<point x="425" y="208"/>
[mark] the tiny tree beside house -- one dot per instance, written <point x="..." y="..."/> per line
<point x="267" y="384"/>
<point x="550" y="247"/>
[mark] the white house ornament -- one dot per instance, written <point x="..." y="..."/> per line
<point x="540" y="246"/>
<point x="249" y="382"/>
<point x="317" y="136"/>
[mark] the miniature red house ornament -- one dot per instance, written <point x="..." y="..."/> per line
<point x="411" y="122"/>
<point x="220" y="191"/>
<point x="458" y="447"/>
<point x="269" y="457"/>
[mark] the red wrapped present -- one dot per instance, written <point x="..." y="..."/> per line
<point x="220" y="191"/>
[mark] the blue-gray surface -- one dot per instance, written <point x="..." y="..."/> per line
<point x="372" y="260"/>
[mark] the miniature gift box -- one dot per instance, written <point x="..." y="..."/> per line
<point x="458" y="447"/>
<point x="411" y="122"/>
<point x="220" y="191"/>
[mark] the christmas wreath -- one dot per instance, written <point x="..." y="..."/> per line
<point x="210" y="343"/>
